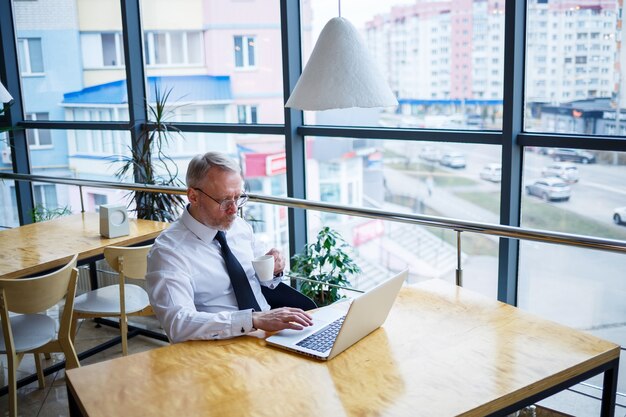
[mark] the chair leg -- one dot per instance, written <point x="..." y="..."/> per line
<point x="71" y="359"/>
<point x="124" y="334"/>
<point x="40" y="379"/>
<point x="12" y="368"/>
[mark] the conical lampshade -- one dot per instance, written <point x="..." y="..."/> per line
<point x="5" y="97"/>
<point x="340" y="73"/>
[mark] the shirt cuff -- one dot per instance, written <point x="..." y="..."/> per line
<point x="272" y="283"/>
<point x="241" y="322"/>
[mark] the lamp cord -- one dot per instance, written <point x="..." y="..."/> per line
<point x="339" y="2"/>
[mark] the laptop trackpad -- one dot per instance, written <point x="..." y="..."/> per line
<point x="321" y="318"/>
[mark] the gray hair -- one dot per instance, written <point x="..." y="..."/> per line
<point x="200" y="165"/>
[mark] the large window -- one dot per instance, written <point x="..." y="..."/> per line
<point x="443" y="151"/>
<point x="442" y="60"/>
<point x="574" y="78"/>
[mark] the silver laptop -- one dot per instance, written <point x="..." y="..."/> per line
<point x="334" y="330"/>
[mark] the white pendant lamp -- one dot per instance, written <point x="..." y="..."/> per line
<point x="340" y="73"/>
<point x="5" y="97"/>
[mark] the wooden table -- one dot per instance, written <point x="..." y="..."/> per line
<point x="443" y="351"/>
<point x="38" y="247"/>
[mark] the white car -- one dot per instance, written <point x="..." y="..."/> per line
<point x="492" y="172"/>
<point x="453" y="160"/>
<point x="566" y="171"/>
<point x="430" y="154"/>
<point x="619" y="215"/>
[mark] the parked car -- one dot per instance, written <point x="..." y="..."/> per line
<point x="492" y="172"/>
<point x="430" y="154"/>
<point x="574" y="155"/>
<point x="564" y="170"/>
<point x="550" y="189"/>
<point x="453" y="160"/>
<point x="619" y="215"/>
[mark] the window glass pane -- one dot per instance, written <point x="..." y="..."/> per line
<point x="109" y="49"/>
<point x="8" y="201"/>
<point x="442" y="60"/>
<point x="36" y="56"/>
<point x="65" y="55"/>
<point x="206" y="72"/>
<point x="575" y="191"/>
<point x="251" y="46"/>
<point x="194" y="47"/>
<point x="447" y="180"/>
<point x="575" y="68"/>
<point x="176" y="48"/>
<point x="160" y="48"/>
<point x="238" y="51"/>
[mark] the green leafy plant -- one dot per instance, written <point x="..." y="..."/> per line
<point x="154" y="165"/>
<point x="325" y="261"/>
<point x="41" y="213"/>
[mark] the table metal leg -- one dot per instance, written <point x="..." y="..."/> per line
<point x="93" y="275"/>
<point x="609" y="389"/>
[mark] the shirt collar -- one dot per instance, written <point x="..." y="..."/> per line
<point x="204" y="233"/>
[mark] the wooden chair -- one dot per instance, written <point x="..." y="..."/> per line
<point x="120" y="300"/>
<point x="29" y="332"/>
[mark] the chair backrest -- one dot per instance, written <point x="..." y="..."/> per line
<point x="134" y="260"/>
<point x="33" y="295"/>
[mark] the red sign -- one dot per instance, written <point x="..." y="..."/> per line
<point x="367" y="231"/>
<point x="276" y="164"/>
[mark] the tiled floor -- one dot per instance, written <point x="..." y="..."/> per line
<point x="52" y="400"/>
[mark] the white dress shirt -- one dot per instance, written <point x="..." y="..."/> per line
<point x="189" y="287"/>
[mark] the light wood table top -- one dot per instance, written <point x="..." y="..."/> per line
<point x="38" y="247"/>
<point x="443" y="351"/>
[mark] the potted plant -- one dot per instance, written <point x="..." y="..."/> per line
<point x="154" y="166"/>
<point x="324" y="261"/>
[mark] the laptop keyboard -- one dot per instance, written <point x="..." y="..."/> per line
<point x="323" y="339"/>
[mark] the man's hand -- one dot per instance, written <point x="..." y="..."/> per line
<point x="279" y="261"/>
<point x="281" y="318"/>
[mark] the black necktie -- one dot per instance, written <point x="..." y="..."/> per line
<point x="238" y="279"/>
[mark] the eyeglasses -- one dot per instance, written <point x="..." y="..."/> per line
<point x="227" y="202"/>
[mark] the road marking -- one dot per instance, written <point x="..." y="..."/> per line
<point x="603" y="187"/>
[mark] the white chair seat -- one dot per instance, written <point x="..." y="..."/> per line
<point x="30" y="331"/>
<point x="106" y="300"/>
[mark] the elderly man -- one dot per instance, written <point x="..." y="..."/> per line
<point x="200" y="277"/>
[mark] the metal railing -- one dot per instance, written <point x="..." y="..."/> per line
<point x="459" y="226"/>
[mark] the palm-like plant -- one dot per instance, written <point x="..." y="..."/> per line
<point x="153" y="165"/>
<point x="326" y="262"/>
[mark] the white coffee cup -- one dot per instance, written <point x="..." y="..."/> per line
<point x="264" y="267"/>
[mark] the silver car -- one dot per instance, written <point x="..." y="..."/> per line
<point x="550" y="189"/>
<point x="564" y="170"/>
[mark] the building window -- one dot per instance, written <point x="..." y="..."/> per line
<point x="30" y="56"/>
<point x="38" y="138"/>
<point x="98" y="200"/>
<point x="245" y="51"/>
<point x="173" y="48"/>
<point x="102" y="50"/>
<point x="247" y="114"/>
<point x="45" y="196"/>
